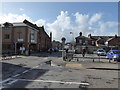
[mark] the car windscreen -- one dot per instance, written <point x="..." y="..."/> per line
<point x="101" y="50"/>
<point x="116" y="52"/>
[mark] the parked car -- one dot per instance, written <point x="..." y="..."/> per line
<point x="56" y="49"/>
<point x="113" y="55"/>
<point x="53" y="49"/>
<point x="50" y="49"/>
<point x="100" y="52"/>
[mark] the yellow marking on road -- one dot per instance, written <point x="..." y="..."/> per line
<point x="78" y="66"/>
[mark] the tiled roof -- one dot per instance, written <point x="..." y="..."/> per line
<point x="104" y="38"/>
<point x="19" y="24"/>
<point x="83" y="37"/>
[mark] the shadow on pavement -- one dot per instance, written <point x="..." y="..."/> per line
<point x="46" y="54"/>
<point x="10" y="70"/>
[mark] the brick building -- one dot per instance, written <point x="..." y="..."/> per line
<point x="94" y="42"/>
<point x="56" y="44"/>
<point x="24" y="34"/>
<point x="83" y="41"/>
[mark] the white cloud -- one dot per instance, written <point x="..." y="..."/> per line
<point x="81" y="19"/>
<point x="21" y="9"/>
<point x="40" y="22"/>
<point x="14" y="18"/>
<point x="63" y="24"/>
<point x="95" y="18"/>
<point x="108" y="28"/>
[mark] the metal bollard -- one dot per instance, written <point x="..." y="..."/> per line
<point x="93" y="59"/>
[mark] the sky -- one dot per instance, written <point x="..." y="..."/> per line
<point x="61" y="18"/>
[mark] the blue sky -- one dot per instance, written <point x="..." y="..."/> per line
<point x="49" y="10"/>
<point x="102" y="16"/>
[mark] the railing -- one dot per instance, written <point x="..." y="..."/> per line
<point x="71" y="56"/>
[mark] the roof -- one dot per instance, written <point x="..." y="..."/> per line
<point x="81" y="37"/>
<point x="102" y="37"/>
<point x="97" y="38"/>
<point x="31" y="24"/>
<point x="109" y="39"/>
<point x="19" y="24"/>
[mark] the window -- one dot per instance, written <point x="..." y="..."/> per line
<point x="80" y="41"/>
<point x="33" y="35"/>
<point x="7" y="36"/>
<point x="92" y="42"/>
<point x="86" y="42"/>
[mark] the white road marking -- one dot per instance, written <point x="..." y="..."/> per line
<point x="25" y="71"/>
<point x="13" y="81"/>
<point x="45" y="58"/>
<point x="6" y="80"/>
<point x="64" y="82"/>
<point x="11" y="78"/>
<point x="35" y="67"/>
<point x="16" y="75"/>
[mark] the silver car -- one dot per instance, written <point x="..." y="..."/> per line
<point x="101" y="52"/>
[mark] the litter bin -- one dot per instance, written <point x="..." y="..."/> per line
<point x="26" y="53"/>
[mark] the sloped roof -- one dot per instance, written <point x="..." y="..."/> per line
<point x="31" y="24"/>
<point x="36" y="27"/>
<point x="83" y="37"/>
<point x="104" y="38"/>
<point x="19" y="24"/>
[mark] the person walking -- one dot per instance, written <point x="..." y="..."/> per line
<point x="50" y="50"/>
<point x="83" y="52"/>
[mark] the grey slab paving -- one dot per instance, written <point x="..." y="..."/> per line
<point x="95" y="77"/>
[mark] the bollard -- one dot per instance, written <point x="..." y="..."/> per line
<point x="99" y="58"/>
<point x="93" y="59"/>
<point x="77" y="59"/>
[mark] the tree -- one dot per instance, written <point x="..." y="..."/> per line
<point x="63" y="39"/>
<point x="118" y="45"/>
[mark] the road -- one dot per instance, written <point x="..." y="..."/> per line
<point x="50" y="71"/>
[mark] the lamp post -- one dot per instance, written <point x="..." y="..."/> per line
<point x="29" y="44"/>
<point x="16" y="49"/>
<point x="72" y="40"/>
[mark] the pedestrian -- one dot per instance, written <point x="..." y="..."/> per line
<point x="50" y="50"/>
<point x="66" y="50"/>
<point x="20" y="50"/>
<point x="83" y="52"/>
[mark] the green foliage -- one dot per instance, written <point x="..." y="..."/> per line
<point x="118" y="45"/>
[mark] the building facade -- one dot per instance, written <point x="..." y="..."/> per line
<point x="92" y="43"/>
<point x="24" y="34"/>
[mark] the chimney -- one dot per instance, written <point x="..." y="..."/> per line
<point x="51" y="36"/>
<point x="115" y="36"/>
<point x="80" y="33"/>
<point x="89" y="35"/>
<point x="43" y="27"/>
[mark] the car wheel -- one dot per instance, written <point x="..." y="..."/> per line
<point x="113" y="59"/>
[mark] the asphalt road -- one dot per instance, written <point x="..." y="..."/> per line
<point x="50" y="71"/>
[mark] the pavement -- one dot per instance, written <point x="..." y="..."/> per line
<point x="50" y="71"/>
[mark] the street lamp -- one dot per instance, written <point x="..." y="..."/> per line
<point x="15" y="48"/>
<point x="72" y="40"/>
<point x="29" y="44"/>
